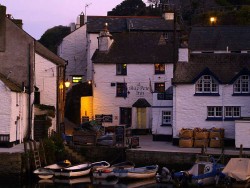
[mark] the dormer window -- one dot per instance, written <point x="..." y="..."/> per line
<point x="206" y="85"/>
<point x="241" y="85"/>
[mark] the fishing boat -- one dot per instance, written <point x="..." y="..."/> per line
<point x="48" y="172"/>
<point x="74" y="171"/>
<point x="72" y="181"/>
<point x="236" y="172"/>
<point x="203" y="172"/>
<point x="137" y="173"/>
<point x="109" y="172"/>
<point x="99" y="165"/>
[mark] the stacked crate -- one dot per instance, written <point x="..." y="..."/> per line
<point x="186" y="138"/>
<point x="201" y="138"/>
<point x="216" y="137"/>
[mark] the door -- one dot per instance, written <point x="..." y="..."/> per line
<point x="125" y="116"/>
<point x="141" y="118"/>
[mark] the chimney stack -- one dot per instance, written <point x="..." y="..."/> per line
<point x="105" y="39"/>
<point x="2" y="28"/>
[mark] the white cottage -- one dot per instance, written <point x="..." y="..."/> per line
<point x="212" y="85"/>
<point x="13" y="112"/>
<point x="127" y="71"/>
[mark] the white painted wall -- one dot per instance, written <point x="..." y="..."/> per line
<point x="13" y="113"/>
<point x="191" y="111"/>
<point x="138" y="83"/>
<point x="242" y="132"/>
<point x="46" y="81"/>
<point x="73" y="48"/>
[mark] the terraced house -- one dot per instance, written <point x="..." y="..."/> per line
<point x="212" y="82"/>
<point x="32" y="103"/>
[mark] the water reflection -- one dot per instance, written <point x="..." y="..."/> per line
<point x="88" y="182"/>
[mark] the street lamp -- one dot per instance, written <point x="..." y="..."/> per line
<point x="67" y="83"/>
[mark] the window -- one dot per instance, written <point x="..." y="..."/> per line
<point x="242" y="84"/>
<point x="206" y="84"/>
<point x="121" y="69"/>
<point x="232" y="112"/>
<point x="121" y="90"/>
<point x="159" y="68"/>
<point x="166" y="117"/>
<point x="160" y="87"/>
<point x="214" y="112"/>
<point x="76" y="79"/>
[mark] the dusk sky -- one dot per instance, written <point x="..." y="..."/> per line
<point x="40" y="15"/>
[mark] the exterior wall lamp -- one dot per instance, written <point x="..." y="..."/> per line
<point x="213" y="20"/>
<point x="67" y="83"/>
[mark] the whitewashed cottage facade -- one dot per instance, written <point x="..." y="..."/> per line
<point x="30" y="80"/>
<point x="212" y="80"/>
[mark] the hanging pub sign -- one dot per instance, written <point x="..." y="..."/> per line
<point x="119" y="135"/>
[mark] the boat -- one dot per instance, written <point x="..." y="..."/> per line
<point x="74" y="171"/>
<point x="237" y="171"/>
<point x="108" y="172"/>
<point x="137" y="173"/>
<point x="99" y="165"/>
<point x="203" y="172"/>
<point x="48" y="172"/>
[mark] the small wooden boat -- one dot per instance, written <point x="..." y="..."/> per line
<point x="99" y="165"/>
<point x="137" y="173"/>
<point x="108" y="172"/>
<point x="48" y="172"/>
<point x="74" y="171"/>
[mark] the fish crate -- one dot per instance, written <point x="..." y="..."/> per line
<point x="217" y="133"/>
<point x="201" y="133"/>
<point x="186" y="133"/>
<point x="199" y="143"/>
<point x="215" y="143"/>
<point x="186" y="142"/>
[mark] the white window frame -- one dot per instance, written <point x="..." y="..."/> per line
<point x="232" y="111"/>
<point x="166" y="117"/>
<point x="214" y="111"/>
<point x="242" y="84"/>
<point x="206" y="84"/>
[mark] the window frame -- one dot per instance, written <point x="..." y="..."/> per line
<point x="157" y="85"/>
<point x="159" y="68"/>
<point x="235" y="112"/>
<point x="206" y="85"/>
<point x="165" y="116"/>
<point x="242" y="86"/>
<point x="216" y="113"/>
<point x="123" y="87"/>
<point x="121" y="69"/>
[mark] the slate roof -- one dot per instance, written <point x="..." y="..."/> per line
<point x="219" y="38"/>
<point x="224" y="67"/>
<point x="136" y="48"/>
<point x="128" y="23"/>
<point x="11" y="85"/>
<point x="46" y="53"/>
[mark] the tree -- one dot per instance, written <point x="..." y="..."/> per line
<point x="53" y="37"/>
<point x="155" y="3"/>
<point x="129" y="8"/>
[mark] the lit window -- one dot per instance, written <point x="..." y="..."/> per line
<point x="206" y="84"/>
<point x="160" y="87"/>
<point x="159" y="68"/>
<point x="121" y="69"/>
<point x="166" y="117"/>
<point x="242" y="84"/>
<point x="76" y="79"/>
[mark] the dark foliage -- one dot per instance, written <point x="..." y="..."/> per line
<point x="53" y="37"/>
<point x="129" y="8"/>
